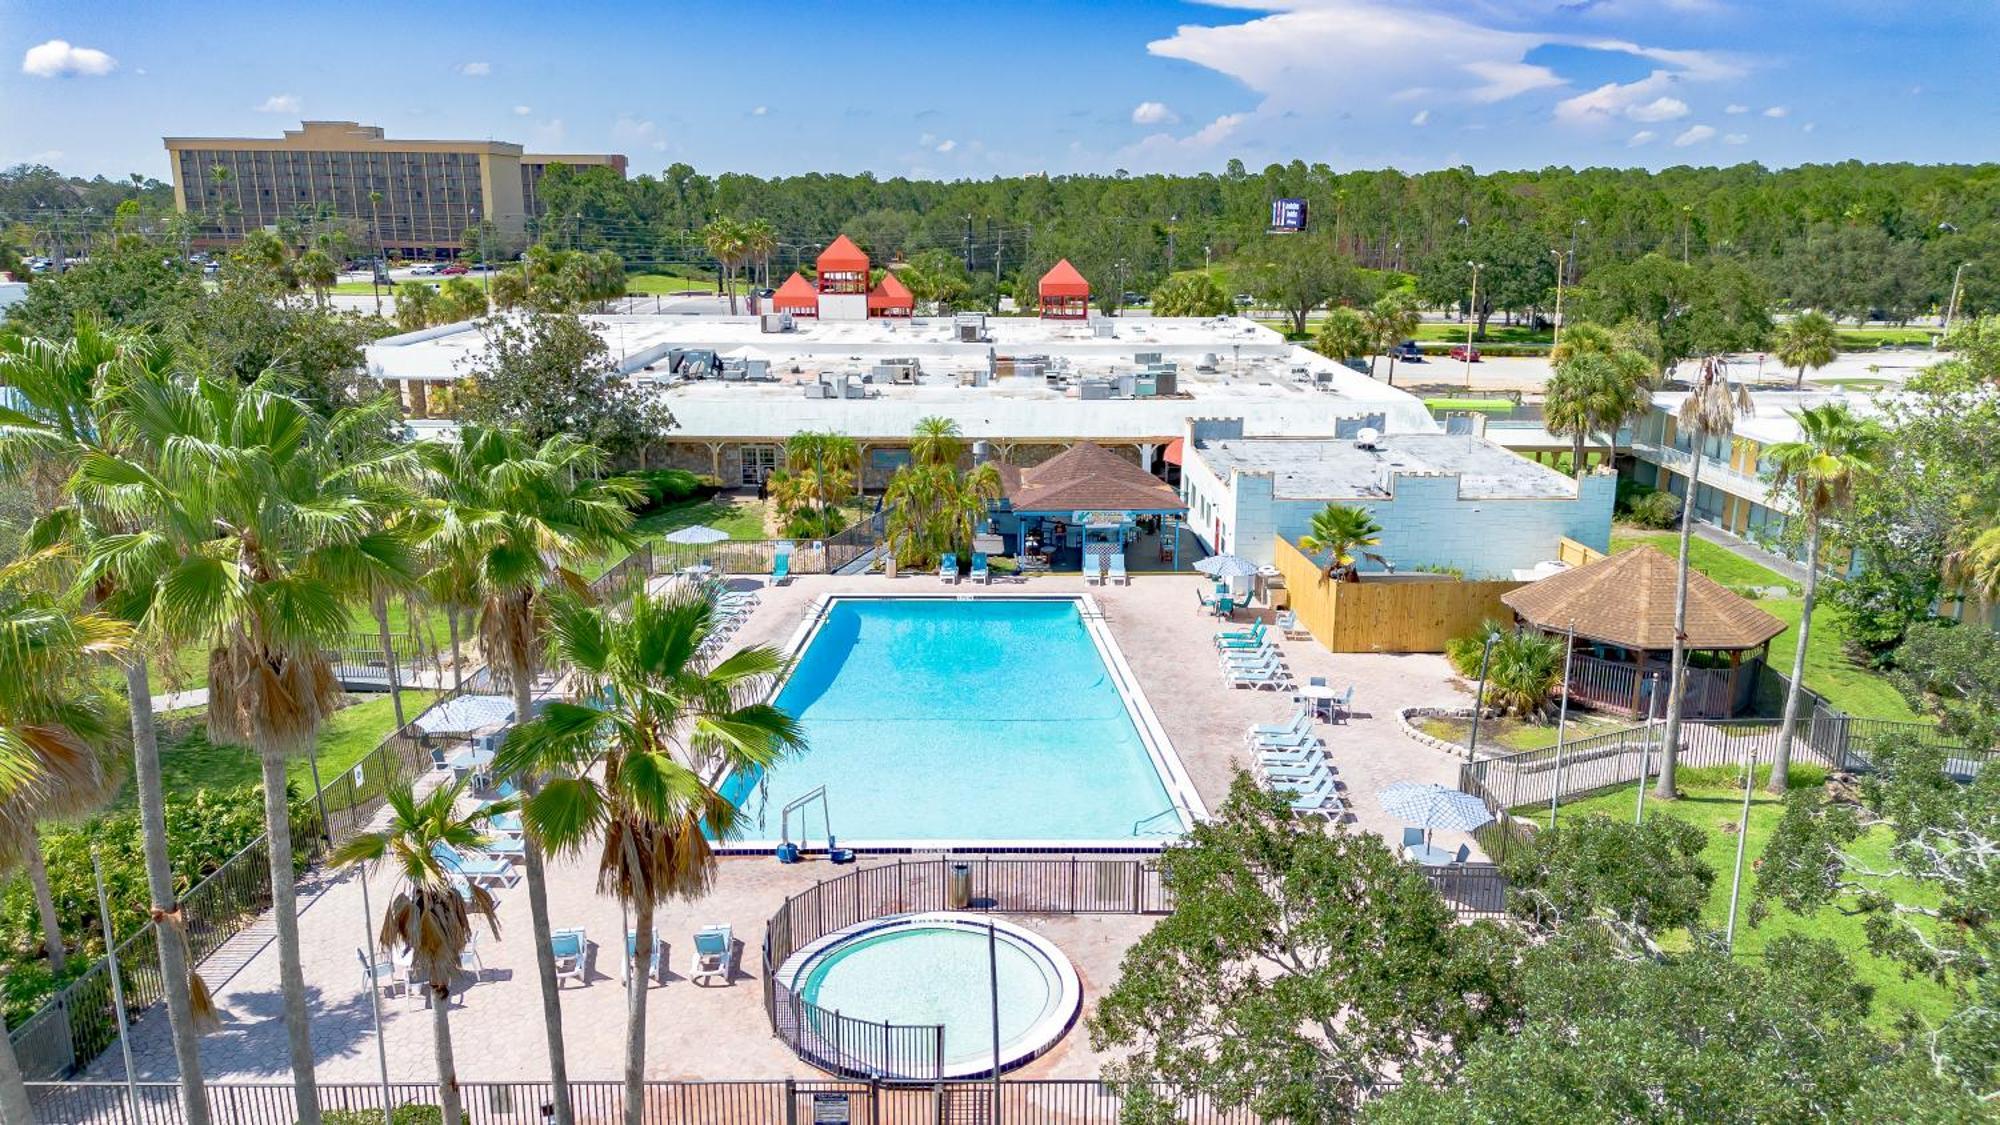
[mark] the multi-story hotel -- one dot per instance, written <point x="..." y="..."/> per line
<point x="416" y="198"/>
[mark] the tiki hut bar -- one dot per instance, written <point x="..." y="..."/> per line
<point x="1622" y="609"/>
<point x="1087" y="502"/>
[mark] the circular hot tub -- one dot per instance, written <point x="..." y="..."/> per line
<point x="919" y="971"/>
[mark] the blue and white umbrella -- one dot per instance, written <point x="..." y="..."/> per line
<point x="1226" y="566"/>
<point x="1431" y="806"/>
<point x="700" y="535"/>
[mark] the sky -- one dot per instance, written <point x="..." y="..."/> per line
<point x="956" y="90"/>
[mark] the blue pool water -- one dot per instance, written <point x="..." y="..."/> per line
<point x="949" y="720"/>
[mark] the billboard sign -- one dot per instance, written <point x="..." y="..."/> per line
<point x="1288" y="216"/>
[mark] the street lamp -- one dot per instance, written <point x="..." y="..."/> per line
<point x="1574" y="228"/>
<point x="1471" y="317"/>
<point x="1479" y="695"/>
<point x="1557" y="342"/>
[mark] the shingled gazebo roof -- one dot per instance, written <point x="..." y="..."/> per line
<point x="1087" y="477"/>
<point x="1628" y="600"/>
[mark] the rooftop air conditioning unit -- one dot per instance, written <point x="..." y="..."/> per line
<point x="1368" y="438"/>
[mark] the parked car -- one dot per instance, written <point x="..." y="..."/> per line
<point x="455" y="270"/>
<point x="1245" y="299"/>
<point x="1353" y="364"/>
<point x="1408" y="352"/>
<point x="424" y="270"/>
<point x="1465" y="354"/>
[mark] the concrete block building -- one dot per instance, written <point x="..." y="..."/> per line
<point x="1444" y="501"/>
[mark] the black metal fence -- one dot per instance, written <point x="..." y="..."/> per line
<point x="78" y="1023"/>
<point x="856" y="1048"/>
<point x="767" y="1102"/>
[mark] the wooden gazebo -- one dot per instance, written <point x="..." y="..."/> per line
<point x="1622" y="609"/>
<point x="1064" y="292"/>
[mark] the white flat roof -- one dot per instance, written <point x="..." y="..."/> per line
<point x="1330" y="469"/>
<point x="1275" y="386"/>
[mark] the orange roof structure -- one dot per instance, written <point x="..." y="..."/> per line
<point x="842" y="256"/>
<point x="1087" y="477"/>
<point x="891" y="297"/>
<point x="796" y="295"/>
<point x="1063" y="280"/>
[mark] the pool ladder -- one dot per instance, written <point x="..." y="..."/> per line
<point x="1170" y="810"/>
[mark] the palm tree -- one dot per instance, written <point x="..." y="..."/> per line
<point x="58" y="382"/>
<point x="1342" y="533"/>
<point x="1709" y="409"/>
<point x="317" y="269"/>
<point x="1819" y="470"/>
<point x="936" y="440"/>
<point x="416" y="306"/>
<point x="268" y="534"/>
<point x="820" y="470"/>
<point x="934" y="509"/>
<point x="726" y="241"/>
<point x="1522" y="672"/>
<point x="664" y="720"/>
<point x="760" y="239"/>
<point x="1595" y="393"/>
<point x="1392" y="319"/>
<point x="1342" y="335"/>
<point x="1807" y="340"/>
<point x="517" y="519"/>
<point x="429" y="916"/>
<point x="55" y="735"/>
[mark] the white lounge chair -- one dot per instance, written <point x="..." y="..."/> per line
<point x="1270" y="679"/>
<point x="1117" y="572"/>
<point x="714" y="947"/>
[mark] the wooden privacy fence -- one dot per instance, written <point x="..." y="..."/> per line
<point x="1392" y="615"/>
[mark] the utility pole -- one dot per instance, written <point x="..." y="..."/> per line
<point x="1472" y="318"/>
<point x="1951" y="306"/>
<point x="968" y="243"/>
<point x="1577" y="226"/>
<point x="1557" y="342"/>
<point x="1687" y="217"/>
<point x="1172" y="220"/>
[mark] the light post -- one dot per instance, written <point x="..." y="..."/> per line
<point x="1574" y="228"/>
<point x="1557" y="342"/>
<point x="1471" y="318"/>
<point x="1479" y="696"/>
<point x="375" y="991"/>
<point x="1562" y="724"/>
<point x="1687" y="220"/>
<point x="1206" y="257"/>
<point x="1172" y="221"/>
<point x="1742" y="833"/>
<point x="1951" y="306"/>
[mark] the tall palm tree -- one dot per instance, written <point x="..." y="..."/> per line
<point x="1819" y="470"/>
<point x="1392" y="319"/>
<point x="935" y="508"/>
<point x="663" y="718"/>
<point x="1710" y="408"/>
<point x="727" y="242"/>
<point x="318" y="271"/>
<point x="936" y="440"/>
<point x="268" y="535"/>
<point x="60" y="384"/>
<point x="1807" y="340"/>
<point x="760" y="239"/>
<point x="1343" y="534"/>
<point x="429" y="916"/>
<point x="55" y="729"/>
<point x="1595" y="393"/>
<point x="518" y="519"/>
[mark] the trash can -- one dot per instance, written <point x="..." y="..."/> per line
<point x="961" y="886"/>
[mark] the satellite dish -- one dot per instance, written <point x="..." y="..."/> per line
<point x="1368" y="438"/>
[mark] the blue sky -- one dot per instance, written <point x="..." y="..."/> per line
<point x="958" y="90"/>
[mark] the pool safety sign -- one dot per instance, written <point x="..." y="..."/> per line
<point x="830" y="1109"/>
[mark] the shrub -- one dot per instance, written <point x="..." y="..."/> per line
<point x="403" y="1115"/>
<point x="1463" y="652"/>
<point x="809" y="523"/>
<point x="1655" y="509"/>
<point x="671" y="486"/>
<point x="1523" y="672"/>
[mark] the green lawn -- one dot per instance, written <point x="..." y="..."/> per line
<point x="1853" y="688"/>
<point x="1875" y="337"/>
<point x="670" y="281"/>
<point x="191" y="762"/>
<point x="1483" y="405"/>
<point x="1517" y="735"/>
<point x="1711" y="801"/>
<point x="1446" y="332"/>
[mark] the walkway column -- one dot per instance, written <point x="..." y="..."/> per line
<point x="1147" y="450"/>
<point x="714" y="458"/>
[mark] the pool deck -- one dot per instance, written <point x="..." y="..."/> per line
<point x="712" y="1031"/>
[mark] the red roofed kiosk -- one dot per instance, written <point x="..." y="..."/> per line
<point x="796" y="296"/>
<point x="843" y="281"/>
<point x="1065" y="294"/>
<point x="891" y="298"/>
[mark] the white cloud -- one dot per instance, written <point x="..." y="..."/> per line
<point x="475" y="69"/>
<point x="946" y="145"/>
<point x="1659" y="109"/>
<point x="760" y="111"/>
<point x="1808" y="127"/>
<point x="1422" y="118"/>
<point x="280" y="103"/>
<point x="548" y="134"/>
<point x="523" y="110"/>
<point x="1642" y="137"/>
<point x="1777" y="111"/>
<point x="1734" y="109"/>
<point x="1736" y="138"/>
<point x="1154" y="113"/>
<point x="630" y="129"/>
<point x="58" y="58"/>
<point x="1505" y="80"/>
<point x="1694" y="135"/>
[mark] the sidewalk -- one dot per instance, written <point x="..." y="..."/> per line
<point x="1744" y="549"/>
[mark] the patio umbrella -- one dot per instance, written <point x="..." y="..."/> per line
<point x="1432" y="806"/>
<point x="700" y="535"/>
<point x="1226" y="566"/>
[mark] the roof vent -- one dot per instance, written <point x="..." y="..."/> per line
<point x="1368" y="438"/>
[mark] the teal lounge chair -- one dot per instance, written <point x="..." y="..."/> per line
<point x="948" y="568"/>
<point x="781" y="567"/>
<point x="570" y="949"/>
<point x="714" y="947"/>
<point x="1255" y="632"/>
<point x="980" y="574"/>
<point x="484" y="870"/>
<point x="1117" y="572"/>
<point x="1299" y="724"/>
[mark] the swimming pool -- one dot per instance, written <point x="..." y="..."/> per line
<point x="921" y="970"/>
<point x="994" y="720"/>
